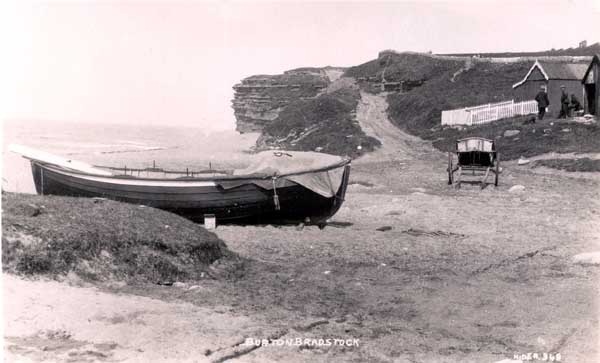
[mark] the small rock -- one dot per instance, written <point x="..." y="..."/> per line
<point x="167" y="226"/>
<point x="566" y="130"/>
<point x="541" y="341"/>
<point x="384" y="228"/>
<point x="318" y="149"/>
<point x="182" y="285"/>
<point x="523" y="161"/>
<point x="327" y="272"/>
<point x="422" y="190"/>
<point x="509" y="133"/>
<point x="587" y="258"/>
<point x="104" y="254"/>
<point x="359" y="147"/>
<point x="32" y="210"/>
<point x="547" y="131"/>
<point x="551" y="123"/>
<point x="516" y="188"/>
<point x="516" y="139"/>
<point x="195" y="287"/>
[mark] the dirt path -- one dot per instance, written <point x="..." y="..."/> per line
<point x="396" y="144"/>
<point x="333" y="74"/>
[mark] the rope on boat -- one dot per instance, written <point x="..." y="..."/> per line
<point x="275" y="196"/>
<point x="333" y="192"/>
<point x="42" y="181"/>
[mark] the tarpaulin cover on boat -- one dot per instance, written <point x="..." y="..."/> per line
<point x="301" y="165"/>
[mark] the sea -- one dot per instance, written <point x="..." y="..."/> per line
<point x="121" y="145"/>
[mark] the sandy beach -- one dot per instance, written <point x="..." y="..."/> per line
<point x="464" y="275"/>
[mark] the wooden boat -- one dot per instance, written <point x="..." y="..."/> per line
<point x="261" y="195"/>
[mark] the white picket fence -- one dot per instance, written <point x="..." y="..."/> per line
<point x="483" y="114"/>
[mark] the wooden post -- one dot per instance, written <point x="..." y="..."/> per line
<point x="484" y="181"/>
<point x="41" y="181"/>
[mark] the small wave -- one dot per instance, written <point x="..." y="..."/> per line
<point x="138" y="150"/>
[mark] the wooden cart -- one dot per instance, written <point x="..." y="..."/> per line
<point x="476" y="155"/>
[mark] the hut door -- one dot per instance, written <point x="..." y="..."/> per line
<point x="590" y="93"/>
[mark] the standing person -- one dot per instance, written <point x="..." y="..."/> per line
<point x="542" y="102"/>
<point x="575" y="104"/>
<point x="564" y="103"/>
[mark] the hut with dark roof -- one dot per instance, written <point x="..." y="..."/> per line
<point x="591" y="87"/>
<point x="552" y="75"/>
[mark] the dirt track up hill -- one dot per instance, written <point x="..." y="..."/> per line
<point x="396" y="144"/>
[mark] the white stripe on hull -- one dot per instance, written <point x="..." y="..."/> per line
<point x="137" y="182"/>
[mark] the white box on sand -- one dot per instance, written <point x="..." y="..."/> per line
<point x="210" y="221"/>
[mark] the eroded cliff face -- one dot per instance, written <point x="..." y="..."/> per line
<point x="258" y="100"/>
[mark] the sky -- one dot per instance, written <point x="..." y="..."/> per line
<point x="174" y="63"/>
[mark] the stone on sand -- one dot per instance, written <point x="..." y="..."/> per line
<point x="32" y="210"/>
<point x="516" y="188"/>
<point x="587" y="258"/>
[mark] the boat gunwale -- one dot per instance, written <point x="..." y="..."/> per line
<point x="183" y="180"/>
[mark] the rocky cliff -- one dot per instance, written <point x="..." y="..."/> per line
<point x="259" y="99"/>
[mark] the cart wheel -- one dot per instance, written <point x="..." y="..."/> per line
<point x="497" y="170"/>
<point x="450" y="172"/>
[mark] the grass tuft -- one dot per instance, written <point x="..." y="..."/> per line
<point x="102" y="240"/>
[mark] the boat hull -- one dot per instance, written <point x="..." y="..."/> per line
<point x="247" y="203"/>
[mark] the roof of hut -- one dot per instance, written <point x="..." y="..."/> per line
<point x="557" y="70"/>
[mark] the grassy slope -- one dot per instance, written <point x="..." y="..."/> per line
<point x="406" y="66"/>
<point x="551" y="135"/>
<point x="333" y="114"/>
<point x="102" y="239"/>
<point x="583" y="164"/>
<point x="586" y="51"/>
<point x="420" y="109"/>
